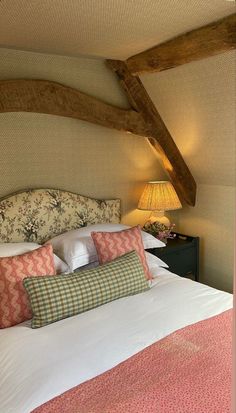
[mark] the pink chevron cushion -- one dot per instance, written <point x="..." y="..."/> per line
<point x="14" y="305"/>
<point x="110" y="245"/>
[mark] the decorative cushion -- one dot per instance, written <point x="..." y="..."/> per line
<point x="14" y="305"/>
<point x="10" y="249"/>
<point x="76" y="247"/>
<point x="56" y="298"/>
<point x="110" y="245"/>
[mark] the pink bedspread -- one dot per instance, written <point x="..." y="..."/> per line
<point x="187" y="372"/>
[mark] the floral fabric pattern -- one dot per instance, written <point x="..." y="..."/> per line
<point x="36" y="215"/>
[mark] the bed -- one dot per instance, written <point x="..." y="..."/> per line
<point x="165" y="350"/>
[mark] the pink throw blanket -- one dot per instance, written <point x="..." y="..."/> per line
<point x="187" y="372"/>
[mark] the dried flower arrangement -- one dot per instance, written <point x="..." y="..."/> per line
<point x="159" y="230"/>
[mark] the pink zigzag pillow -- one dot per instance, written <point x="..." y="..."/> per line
<point x="110" y="245"/>
<point x="14" y="305"/>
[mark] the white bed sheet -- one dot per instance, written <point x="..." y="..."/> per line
<point x="37" y="365"/>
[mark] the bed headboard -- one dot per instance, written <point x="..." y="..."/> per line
<point x="37" y="215"/>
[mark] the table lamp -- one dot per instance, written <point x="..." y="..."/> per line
<point x="158" y="197"/>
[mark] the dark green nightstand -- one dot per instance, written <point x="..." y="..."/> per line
<point x="181" y="254"/>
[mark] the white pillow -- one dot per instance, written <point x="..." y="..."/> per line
<point x="88" y="266"/>
<point x="149" y="241"/>
<point x="76" y="247"/>
<point x="61" y="266"/>
<point x="17" y="248"/>
<point x="152" y="261"/>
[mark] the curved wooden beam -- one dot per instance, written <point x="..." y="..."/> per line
<point x="158" y="134"/>
<point x="210" y="40"/>
<point x="43" y="96"/>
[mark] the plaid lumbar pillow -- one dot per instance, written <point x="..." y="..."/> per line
<point x="55" y="298"/>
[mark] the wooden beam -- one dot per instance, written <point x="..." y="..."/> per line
<point x="43" y="96"/>
<point x="210" y="40"/>
<point x="159" y="136"/>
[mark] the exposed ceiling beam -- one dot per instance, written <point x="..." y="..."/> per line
<point x="217" y="37"/>
<point x="158" y="134"/>
<point x="43" y="96"/>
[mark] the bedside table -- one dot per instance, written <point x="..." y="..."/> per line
<point x="181" y="254"/>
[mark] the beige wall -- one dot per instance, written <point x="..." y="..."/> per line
<point x="41" y="150"/>
<point x="198" y="103"/>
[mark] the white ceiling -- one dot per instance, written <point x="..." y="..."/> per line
<point x="101" y="28"/>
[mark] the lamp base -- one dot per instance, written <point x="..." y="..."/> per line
<point x="159" y="216"/>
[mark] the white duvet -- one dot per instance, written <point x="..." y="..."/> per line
<point x="37" y="365"/>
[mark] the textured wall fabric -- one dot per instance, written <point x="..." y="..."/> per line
<point x="105" y="28"/>
<point x="41" y="151"/>
<point x="198" y="103"/>
<point x="213" y="220"/>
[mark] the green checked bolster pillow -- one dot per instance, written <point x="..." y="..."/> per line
<point x="55" y="298"/>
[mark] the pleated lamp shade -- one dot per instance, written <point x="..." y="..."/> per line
<point x="159" y="196"/>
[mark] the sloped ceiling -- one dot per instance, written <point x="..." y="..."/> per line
<point x="102" y="28"/>
<point x="197" y="102"/>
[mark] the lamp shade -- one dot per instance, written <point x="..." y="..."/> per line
<point x="159" y="196"/>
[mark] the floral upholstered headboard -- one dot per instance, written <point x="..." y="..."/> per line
<point x="37" y="215"/>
